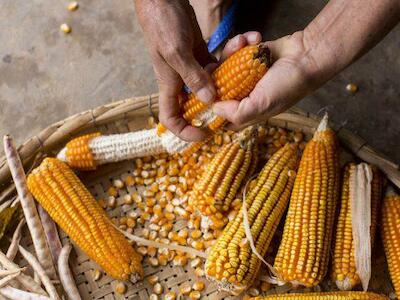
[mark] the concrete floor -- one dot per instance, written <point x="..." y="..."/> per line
<point x="46" y="76"/>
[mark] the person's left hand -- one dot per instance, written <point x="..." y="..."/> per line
<point x="291" y="77"/>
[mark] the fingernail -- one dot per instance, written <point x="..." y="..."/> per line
<point x="205" y="95"/>
<point x="252" y="37"/>
<point x="217" y="111"/>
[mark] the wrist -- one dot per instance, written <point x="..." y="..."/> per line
<point x="320" y="60"/>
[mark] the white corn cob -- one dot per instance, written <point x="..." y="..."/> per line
<point x="117" y="147"/>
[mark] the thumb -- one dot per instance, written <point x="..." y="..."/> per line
<point x="237" y="112"/>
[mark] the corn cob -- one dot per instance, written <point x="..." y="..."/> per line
<point x="249" y="64"/>
<point x="302" y="258"/>
<point x="217" y="186"/>
<point x="344" y="268"/>
<point x="231" y="262"/>
<point x="390" y="231"/>
<point x="74" y="209"/>
<point x="325" y="296"/>
<point x="234" y="79"/>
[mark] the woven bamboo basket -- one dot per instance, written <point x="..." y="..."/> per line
<point x="130" y="115"/>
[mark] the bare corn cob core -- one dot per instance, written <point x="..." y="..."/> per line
<point x="303" y="254"/>
<point x="231" y="262"/>
<point x="390" y="231"/>
<point x="217" y="186"/>
<point x="73" y="208"/>
<point x="234" y="79"/>
<point x="325" y="296"/>
<point x="344" y="271"/>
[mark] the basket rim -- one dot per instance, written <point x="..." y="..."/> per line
<point x="59" y="132"/>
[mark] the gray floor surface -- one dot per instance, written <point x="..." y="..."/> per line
<point x="46" y="75"/>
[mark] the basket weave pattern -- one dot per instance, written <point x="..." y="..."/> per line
<point x="132" y="114"/>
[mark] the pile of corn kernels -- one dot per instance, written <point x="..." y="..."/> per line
<point x="163" y="185"/>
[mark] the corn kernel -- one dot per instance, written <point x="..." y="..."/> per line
<point x="129" y="181"/>
<point x="120" y="288"/>
<point x="158" y="288"/>
<point x="72" y="6"/>
<point x="352" y="88"/>
<point x="195" y="234"/>
<point x="96" y="274"/>
<point x="111" y="202"/>
<point x="128" y="199"/>
<point x="185" y="289"/>
<point x="170" y="296"/>
<point x="130" y="222"/>
<point x="65" y="28"/>
<point x="153" y="261"/>
<point x="195" y="263"/>
<point x="112" y="191"/>
<point x="199" y="286"/>
<point x="199" y="272"/>
<point x="118" y="183"/>
<point x="194" y="295"/>
<point x="153" y="279"/>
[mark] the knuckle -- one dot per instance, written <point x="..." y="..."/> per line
<point x="194" y="79"/>
<point x="259" y="103"/>
<point x="174" y="53"/>
<point x="172" y="124"/>
<point x="167" y="121"/>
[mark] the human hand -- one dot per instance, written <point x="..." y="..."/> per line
<point x="178" y="52"/>
<point x="291" y="77"/>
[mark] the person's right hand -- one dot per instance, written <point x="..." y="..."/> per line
<point x="178" y="53"/>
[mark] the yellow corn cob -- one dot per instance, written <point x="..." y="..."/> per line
<point x="231" y="262"/>
<point x="390" y="231"/>
<point x="303" y="254"/>
<point x="234" y="79"/>
<point x="74" y="209"/>
<point x="344" y="271"/>
<point x="217" y="186"/>
<point x="325" y="296"/>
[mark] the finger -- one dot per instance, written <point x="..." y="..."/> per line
<point x="194" y="76"/>
<point x="240" y="41"/>
<point x="236" y="112"/>
<point x="280" y="48"/>
<point x="211" y="67"/>
<point x="171" y="117"/>
<point x="201" y="54"/>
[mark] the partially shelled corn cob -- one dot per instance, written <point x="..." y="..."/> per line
<point x="216" y="188"/>
<point x="303" y="254"/>
<point x="390" y="231"/>
<point x="325" y="296"/>
<point x="234" y="79"/>
<point x="73" y="208"/>
<point x="231" y="262"/>
<point x="344" y="267"/>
